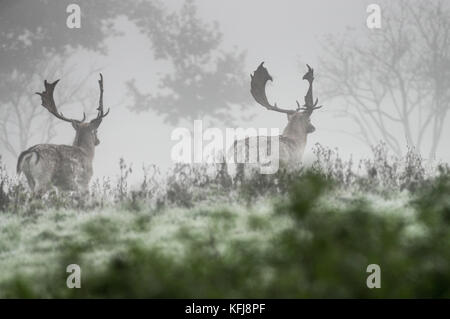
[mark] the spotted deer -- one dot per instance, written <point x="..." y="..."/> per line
<point x="291" y="143"/>
<point x="65" y="167"/>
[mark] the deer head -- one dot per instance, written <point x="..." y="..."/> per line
<point x="86" y="133"/>
<point x="299" y="119"/>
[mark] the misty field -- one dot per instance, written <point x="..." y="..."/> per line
<point x="196" y="233"/>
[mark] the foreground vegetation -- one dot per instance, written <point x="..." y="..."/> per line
<point x="196" y="233"/>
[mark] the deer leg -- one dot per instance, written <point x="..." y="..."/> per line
<point x="83" y="189"/>
<point x="31" y="183"/>
<point x="41" y="188"/>
<point x="81" y="183"/>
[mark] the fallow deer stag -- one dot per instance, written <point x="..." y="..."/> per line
<point x="68" y="168"/>
<point x="291" y="143"/>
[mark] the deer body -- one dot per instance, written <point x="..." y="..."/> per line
<point x="68" y="168"/>
<point x="63" y="166"/>
<point x="291" y="144"/>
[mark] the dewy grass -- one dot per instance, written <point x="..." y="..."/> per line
<point x="195" y="233"/>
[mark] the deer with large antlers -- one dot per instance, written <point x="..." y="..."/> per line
<point x="65" y="167"/>
<point x="291" y="143"/>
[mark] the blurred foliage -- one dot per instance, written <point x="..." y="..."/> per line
<point x="319" y="230"/>
<point x="32" y="31"/>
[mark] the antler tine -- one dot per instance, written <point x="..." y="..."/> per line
<point x="48" y="102"/>
<point x="100" y="102"/>
<point x="100" y="114"/>
<point x="258" y="83"/>
<point x="309" y="105"/>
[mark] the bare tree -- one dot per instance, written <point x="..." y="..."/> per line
<point x="394" y="79"/>
<point x="34" y="45"/>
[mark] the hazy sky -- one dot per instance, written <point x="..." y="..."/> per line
<point x="284" y="33"/>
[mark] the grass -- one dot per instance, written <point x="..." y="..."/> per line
<point x="193" y="234"/>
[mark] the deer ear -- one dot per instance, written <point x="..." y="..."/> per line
<point x="289" y="116"/>
<point x="95" y="123"/>
<point x="75" y="125"/>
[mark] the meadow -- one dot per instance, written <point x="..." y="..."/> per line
<point x="194" y="232"/>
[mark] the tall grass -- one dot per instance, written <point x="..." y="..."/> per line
<point x="195" y="232"/>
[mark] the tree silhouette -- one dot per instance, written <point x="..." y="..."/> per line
<point x="35" y="44"/>
<point x="205" y="79"/>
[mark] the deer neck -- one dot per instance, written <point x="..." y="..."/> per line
<point x="86" y="143"/>
<point x="297" y="135"/>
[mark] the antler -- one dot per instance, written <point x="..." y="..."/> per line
<point x="258" y="89"/>
<point x="100" y="114"/>
<point x="309" y="105"/>
<point x="49" y="103"/>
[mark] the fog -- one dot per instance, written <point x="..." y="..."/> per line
<point x="285" y="34"/>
